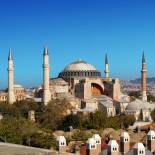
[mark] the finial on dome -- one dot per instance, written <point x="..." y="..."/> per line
<point x="10" y="55"/>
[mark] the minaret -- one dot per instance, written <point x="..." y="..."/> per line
<point x="46" y="91"/>
<point x="11" y="96"/>
<point x="106" y="67"/>
<point x="143" y="79"/>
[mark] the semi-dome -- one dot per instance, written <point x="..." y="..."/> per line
<point x="79" y="68"/>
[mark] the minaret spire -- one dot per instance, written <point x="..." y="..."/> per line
<point x="46" y="91"/>
<point x="106" y="71"/>
<point x="45" y="50"/>
<point x="11" y="96"/>
<point x="10" y="54"/>
<point x="143" y="58"/>
<point x="106" y="59"/>
<point x="143" y="78"/>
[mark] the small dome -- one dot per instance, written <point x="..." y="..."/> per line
<point x="79" y="66"/>
<point x="138" y="105"/>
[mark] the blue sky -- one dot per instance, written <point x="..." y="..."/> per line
<point x="72" y="29"/>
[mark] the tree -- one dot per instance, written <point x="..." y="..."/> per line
<point x="23" y="107"/>
<point x="7" y="109"/>
<point x="126" y="120"/>
<point x="71" y="120"/>
<point x="43" y="140"/>
<point x="151" y="98"/>
<point x="153" y="115"/>
<point x="19" y="108"/>
<point x="96" y="120"/>
<point x="135" y="94"/>
<point x="53" y="114"/>
<point x="141" y="115"/>
<point x="22" y="131"/>
<point x="80" y="135"/>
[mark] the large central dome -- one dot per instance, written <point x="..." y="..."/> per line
<point x="79" y="65"/>
<point x="79" y="68"/>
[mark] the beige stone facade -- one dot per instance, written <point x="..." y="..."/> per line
<point x="58" y="87"/>
<point x="19" y="93"/>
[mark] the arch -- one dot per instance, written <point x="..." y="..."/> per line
<point x="96" y="89"/>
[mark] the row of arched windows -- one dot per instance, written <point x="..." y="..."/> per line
<point x="80" y="73"/>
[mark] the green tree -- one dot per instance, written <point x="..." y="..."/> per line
<point x="23" y="107"/>
<point x="22" y="131"/>
<point x="71" y="120"/>
<point x="80" y="135"/>
<point x="7" y="109"/>
<point x="135" y="94"/>
<point x="153" y="115"/>
<point x="126" y="120"/>
<point x="151" y="98"/>
<point x="96" y="120"/>
<point x="43" y="140"/>
<point x="141" y="115"/>
<point x="53" y="114"/>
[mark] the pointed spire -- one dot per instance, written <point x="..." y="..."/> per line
<point x="45" y="50"/>
<point x="143" y="57"/>
<point x="106" y="59"/>
<point x="10" y="55"/>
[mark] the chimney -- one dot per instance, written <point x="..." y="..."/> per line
<point x="91" y="148"/>
<point x="151" y="140"/>
<point x="139" y="149"/>
<point x="61" y="144"/>
<point x="98" y="142"/>
<point x="113" y="148"/>
<point x="124" y="142"/>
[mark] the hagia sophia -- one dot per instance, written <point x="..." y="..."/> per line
<point x="82" y="84"/>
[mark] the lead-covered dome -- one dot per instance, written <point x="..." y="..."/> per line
<point x="79" y="65"/>
<point x="138" y="105"/>
<point x="79" y="68"/>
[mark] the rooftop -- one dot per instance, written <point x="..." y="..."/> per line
<point x="79" y="65"/>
